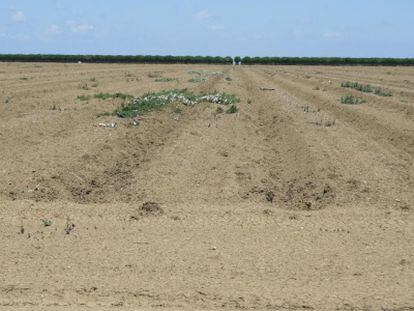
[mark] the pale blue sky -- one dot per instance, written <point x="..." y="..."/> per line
<point x="378" y="28"/>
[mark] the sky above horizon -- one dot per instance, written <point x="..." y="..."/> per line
<point x="351" y="28"/>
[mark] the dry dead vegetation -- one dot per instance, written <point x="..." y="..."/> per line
<point x="295" y="201"/>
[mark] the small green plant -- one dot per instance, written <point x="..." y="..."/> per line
<point x="46" y="222"/>
<point x="155" y="74"/>
<point x="24" y="78"/>
<point x="84" y="86"/>
<point x="92" y="79"/>
<point x="162" y="79"/>
<point x="83" y="97"/>
<point x="351" y="100"/>
<point x="178" y="110"/>
<point x="195" y="72"/>
<point x="134" y="123"/>
<point x="249" y="101"/>
<point x="309" y="109"/>
<point x="219" y="110"/>
<point x="229" y="79"/>
<point x="105" y="96"/>
<point x="380" y="92"/>
<point x="69" y="227"/>
<point x="197" y="80"/>
<point x="232" y="109"/>
<point x="104" y="114"/>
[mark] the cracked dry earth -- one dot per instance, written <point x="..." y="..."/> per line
<point x="296" y="202"/>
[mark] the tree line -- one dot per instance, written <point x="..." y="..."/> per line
<point x="142" y="59"/>
<point x="168" y="59"/>
<point x="333" y="61"/>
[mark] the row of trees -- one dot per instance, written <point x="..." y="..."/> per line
<point x="156" y="59"/>
<point x="153" y="59"/>
<point x="335" y="61"/>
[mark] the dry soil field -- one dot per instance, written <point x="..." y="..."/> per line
<point x="296" y="202"/>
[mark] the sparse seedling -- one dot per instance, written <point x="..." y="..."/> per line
<point x="219" y="110"/>
<point x="83" y="97"/>
<point x="352" y="100"/>
<point x="228" y="79"/>
<point x="380" y="92"/>
<point x="84" y="87"/>
<point x="104" y="114"/>
<point x="155" y="74"/>
<point x="93" y="79"/>
<point x="249" y="101"/>
<point x="69" y="227"/>
<point x="105" y="96"/>
<point x="232" y="109"/>
<point x="46" y="222"/>
<point x="197" y="80"/>
<point x="178" y="110"/>
<point x="165" y="79"/>
<point x="134" y="123"/>
<point x="309" y="109"/>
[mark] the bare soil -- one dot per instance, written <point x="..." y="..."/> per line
<point x="296" y="202"/>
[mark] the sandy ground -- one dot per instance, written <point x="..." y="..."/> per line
<point x="297" y="202"/>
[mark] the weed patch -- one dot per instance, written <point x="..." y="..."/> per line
<point x="352" y="100"/>
<point x="158" y="100"/>
<point x="366" y="88"/>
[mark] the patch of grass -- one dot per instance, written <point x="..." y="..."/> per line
<point x="197" y="80"/>
<point x="164" y="79"/>
<point x="228" y="79"/>
<point x="232" y="109"/>
<point x="83" y="97"/>
<point x="158" y="100"/>
<point x="352" y="100"/>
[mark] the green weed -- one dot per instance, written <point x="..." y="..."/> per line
<point x="352" y="100"/>
<point x="197" y="80"/>
<point x="232" y="109"/>
<point x="83" y="97"/>
<point x="162" y="79"/>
